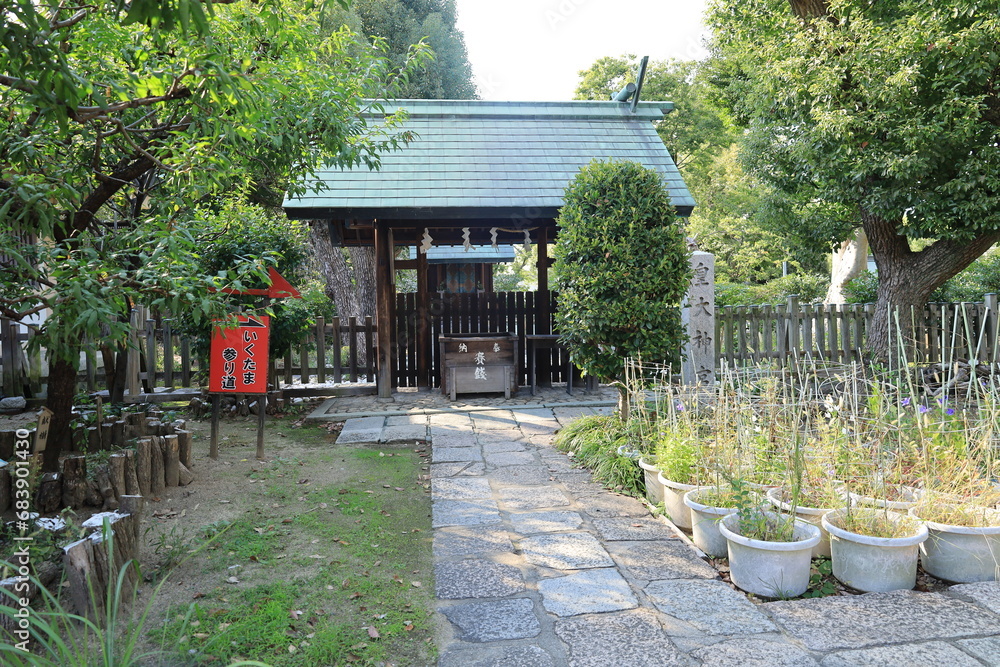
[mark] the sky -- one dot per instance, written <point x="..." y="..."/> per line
<point x="535" y="49"/>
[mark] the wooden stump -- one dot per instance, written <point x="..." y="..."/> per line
<point x="4" y="489"/>
<point x="184" y="476"/>
<point x="49" y="496"/>
<point x="74" y="487"/>
<point x="156" y="478"/>
<point x="7" y="445"/>
<point x="131" y="478"/>
<point x="171" y="459"/>
<point x="103" y="478"/>
<point x="184" y="440"/>
<point x="93" y="439"/>
<point x="107" y="435"/>
<point x="118" y="433"/>
<point x="152" y="426"/>
<point x="78" y="558"/>
<point x="144" y="464"/>
<point x="116" y="471"/>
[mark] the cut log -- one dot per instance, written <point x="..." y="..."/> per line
<point x="118" y="433"/>
<point x="184" y="440"/>
<point x="103" y="478"/>
<point x="152" y="426"/>
<point x="116" y="471"/>
<point x="131" y="478"/>
<point x="94" y="497"/>
<point x="48" y="499"/>
<point x="156" y="478"/>
<point x="78" y="558"/>
<point x="184" y="476"/>
<point x="93" y="439"/>
<point x="171" y="459"/>
<point x="74" y="488"/>
<point x="7" y="445"/>
<point x="144" y="464"/>
<point x="107" y="435"/>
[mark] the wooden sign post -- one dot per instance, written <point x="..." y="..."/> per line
<point x="238" y="365"/>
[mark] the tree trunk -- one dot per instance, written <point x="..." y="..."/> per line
<point x="906" y="279"/>
<point x="61" y="391"/>
<point x="848" y="263"/>
<point x="350" y="284"/>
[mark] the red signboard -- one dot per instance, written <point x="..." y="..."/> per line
<point x="238" y="361"/>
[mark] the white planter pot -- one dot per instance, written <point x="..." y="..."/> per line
<point x="873" y="564"/>
<point x="705" y="523"/>
<point x="673" y="501"/>
<point x="654" y="490"/>
<point x="770" y="569"/>
<point x="961" y="554"/>
<point x="910" y="498"/>
<point x="813" y="515"/>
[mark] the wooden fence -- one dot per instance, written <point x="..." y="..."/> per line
<point x="942" y="332"/>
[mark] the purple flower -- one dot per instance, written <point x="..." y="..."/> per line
<point x="923" y="408"/>
<point x="680" y="407"/>
<point x="906" y="402"/>
<point x="949" y="411"/>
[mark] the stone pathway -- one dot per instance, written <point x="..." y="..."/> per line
<point x="536" y="565"/>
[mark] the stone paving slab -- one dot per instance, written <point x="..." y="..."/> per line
<point x="500" y="435"/>
<point x="476" y="578"/>
<point x="712" y="607"/>
<point x="471" y="541"/>
<point x="566" y="415"/>
<point x="493" y="420"/>
<point x="927" y="653"/>
<point x="750" y="652"/>
<point x="653" y="561"/>
<point x="510" y="459"/>
<point x="545" y="522"/>
<point x="494" y="620"/>
<point x="451" y="440"/>
<point x="633" y="528"/>
<point x="613" y="505"/>
<point x="570" y="551"/>
<point x="496" y="656"/>
<point x="850" y="622"/>
<point x="587" y="592"/>
<point x="457" y="469"/>
<point x="406" y="420"/>
<point x="627" y="639"/>
<point x="502" y="446"/>
<point x="986" y="593"/>
<point x="451" y="454"/>
<point x="404" y="433"/>
<point x="464" y="513"/>
<point x="531" y="498"/>
<point x="519" y="475"/>
<point x="986" y="649"/>
<point x="361" y="429"/>
<point x="470" y="488"/>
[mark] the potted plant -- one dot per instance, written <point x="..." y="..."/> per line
<point x="810" y="502"/>
<point x="874" y="550"/>
<point x="963" y="543"/>
<point x="769" y="553"/>
<point x="708" y="504"/>
<point x="679" y="461"/>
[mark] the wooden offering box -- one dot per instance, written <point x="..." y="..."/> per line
<point x="477" y="363"/>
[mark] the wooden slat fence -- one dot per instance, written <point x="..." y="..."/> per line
<point x="942" y="332"/>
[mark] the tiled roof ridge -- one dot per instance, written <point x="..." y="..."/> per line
<point x="589" y="109"/>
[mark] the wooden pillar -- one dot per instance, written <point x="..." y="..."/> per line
<point x="384" y="296"/>
<point x="423" y="323"/>
<point x="543" y="306"/>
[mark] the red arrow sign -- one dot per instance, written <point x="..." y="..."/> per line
<point x="278" y="289"/>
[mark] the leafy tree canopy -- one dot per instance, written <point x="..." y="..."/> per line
<point x="623" y="268"/>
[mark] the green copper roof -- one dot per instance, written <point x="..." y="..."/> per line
<point x="478" y="159"/>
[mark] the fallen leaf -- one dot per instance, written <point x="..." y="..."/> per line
<point x="295" y="614"/>
<point x="225" y="502"/>
<point x="398" y="488"/>
<point x="416" y="584"/>
<point x="201" y="635"/>
<point x="354" y="596"/>
<point x="198" y="596"/>
<point x="292" y="648"/>
<point x="304" y="480"/>
<point x="233" y="580"/>
<point x="408" y="627"/>
<point x="373" y="633"/>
